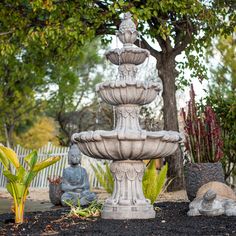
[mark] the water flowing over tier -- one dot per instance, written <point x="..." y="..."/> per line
<point x="127" y="145"/>
<point x="128" y="92"/>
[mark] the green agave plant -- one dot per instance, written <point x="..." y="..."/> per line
<point x="153" y="182"/>
<point x="19" y="179"/>
<point x="104" y="177"/>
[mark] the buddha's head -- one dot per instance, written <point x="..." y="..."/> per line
<point x="74" y="155"/>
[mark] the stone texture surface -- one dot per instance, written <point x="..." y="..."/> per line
<point x="135" y="56"/>
<point x="213" y="199"/>
<point x="198" y="174"/>
<point x="127" y="144"/>
<point x="127" y="31"/>
<point x="219" y="188"/>
<point x="75" y="183"/>
<point x="127" y="200"/>
<point x="128" y="92"/>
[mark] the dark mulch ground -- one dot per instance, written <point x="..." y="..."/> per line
<point x="171" y="219"/>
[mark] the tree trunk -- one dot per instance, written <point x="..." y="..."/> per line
<point x="167" y="73"/>
<point x="9" y="134"/>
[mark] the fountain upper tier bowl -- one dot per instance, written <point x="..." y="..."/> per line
<point x="130" y="55"/>
<point x="128" y="92"/>
<point x="127" y="144"/>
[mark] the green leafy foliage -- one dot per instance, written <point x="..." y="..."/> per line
<point x="104" y="177"/>
<point x="20" y="179"/>
<point x="75" y="99"/>
<point x="153" y="182"/>
<point x="93" y="210"/>
<point x="43" y="130"/>
<point x="34" y="84"/>
<point x="20" y="78"/>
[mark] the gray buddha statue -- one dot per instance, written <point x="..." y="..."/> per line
<point x="75" y="184"/>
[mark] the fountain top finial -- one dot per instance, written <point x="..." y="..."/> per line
<point x="127" y="15"/>
<point x="127" y="24"/>
<point x="127" y="31"/>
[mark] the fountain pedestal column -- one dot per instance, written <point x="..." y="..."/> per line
<point x="127" y="200"/>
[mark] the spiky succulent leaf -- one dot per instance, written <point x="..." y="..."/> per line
<point x="161" y="179"/>
<point x="149" y="181"/>
<point x="109" y="178"/>
<point x="101" y="170"/>
<point x="104" y="177"/>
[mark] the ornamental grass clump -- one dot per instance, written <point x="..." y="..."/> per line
<point x="203" y="137"/>
<point x="20" y="178"/>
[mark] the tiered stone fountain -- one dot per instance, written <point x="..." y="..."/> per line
<point x="127" y="145"/>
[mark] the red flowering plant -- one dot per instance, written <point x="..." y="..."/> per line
<point x="203" y="140"/>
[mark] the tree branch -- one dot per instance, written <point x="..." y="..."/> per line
<point x="5" y="33"/>
<point x="182" y="39"/>
<point x="145" y="44"/>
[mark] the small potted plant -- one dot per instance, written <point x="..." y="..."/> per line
<point x="203" y="146"/>
<point x="55" y="191"/>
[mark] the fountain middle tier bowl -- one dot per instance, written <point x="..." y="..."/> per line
<point x="131" y="55"/>
<point x="127" y="144"/>
<point x="128" y="92"/>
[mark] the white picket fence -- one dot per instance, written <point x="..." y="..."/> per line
<point x="41" y="180"/>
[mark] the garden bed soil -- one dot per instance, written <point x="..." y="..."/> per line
<point x="171" y="219"/>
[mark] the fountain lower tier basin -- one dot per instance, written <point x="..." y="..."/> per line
<point x="128" y="55"/>
<point x="128" y="92"/>
<point x="127" y="144"/>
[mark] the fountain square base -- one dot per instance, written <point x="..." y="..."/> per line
<point x="128" y="212"/>
<point x="127" y="200"/>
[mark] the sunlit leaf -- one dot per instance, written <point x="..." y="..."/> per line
<point x="10" y="155"/>
<point x="10" y="176"/>
<point x="45" y="163"/>
<point x="21" y="173"/>
<point x="4" y="160"/>
<point x="31" y="159"/>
